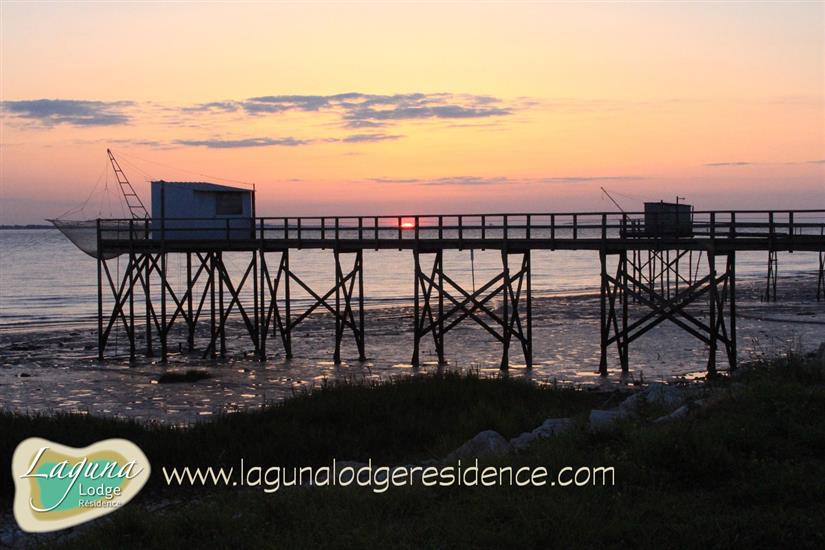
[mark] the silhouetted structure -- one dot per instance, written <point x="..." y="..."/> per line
<point x="642" y="262"/>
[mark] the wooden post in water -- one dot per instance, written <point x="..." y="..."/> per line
<point x="362" y="356"/>
<point x="732" y="351"/>
<point x="256" y="305"/>
<point x="262" y="273"/>
<point x="221" y="325"/>
<point x="162" y="274"/>
<point x="712" y="305"/>
<point x="213" y="325"/>
<point x="190" y="289"/>
<point x="529" y="348"/>
<point x="287" y="275"/>
<point x="603" y="311"/>
<point x="163" y="326"/>
<point x="339" y="330"/>
<point x="625" y="344"/>
<point x="505" y="308"/>
<point x="770" y="285"/>
<point x="100" y="340"/>
<point x="416" y="309"/>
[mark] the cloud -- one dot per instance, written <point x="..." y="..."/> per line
<point x="354" y="110"/>
<point x="355" y="124"/>
<point x="381" y="109"/>
<point x="748" y="163"/>
<point x="137" y="141"/>
<point x="587" y="179"/>
<point x="69" y="111"/>
<point x="273" y="103"/>
<point x="228" y="106"/>
<point x="395" y="180"/>
<point x="468" y="180"/>
<point x="481" y="181"/>
<point x="815" y="101"/>
<point x="359" y="110"/>
<point x="242" y="143"/>
<point x="370" y="138"/>
<point x="58" y="111"/>
<point x="402" y="112"/>
<point x="723" y="164"/>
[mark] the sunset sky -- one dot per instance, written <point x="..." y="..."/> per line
<point x="382" y="108"/>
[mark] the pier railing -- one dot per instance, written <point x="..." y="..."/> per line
<point x="781" y="227"/>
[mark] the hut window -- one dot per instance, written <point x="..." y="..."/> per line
<point x="228" y="204"/>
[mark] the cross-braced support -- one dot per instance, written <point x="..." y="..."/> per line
<point x="163" y="305"/>
<point x="271" y="313"/>
<point x="345" y="301"/>
<point x="211" y="289"/>
<point x="617" y="328"/>
<point x="220" y="276"/>
<point x="514" y="319"/>
<point x="613" y="290"/>
<point x="664" y="269"/>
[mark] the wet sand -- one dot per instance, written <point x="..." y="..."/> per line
<point x="55" y="368"/>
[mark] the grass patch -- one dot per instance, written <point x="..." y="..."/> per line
<point x="746" y="472"/>
<point x="406" y="419"/>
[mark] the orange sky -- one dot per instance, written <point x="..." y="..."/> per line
<point x="358" y="108"/>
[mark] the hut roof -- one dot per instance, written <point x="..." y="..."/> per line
<point x="204" y="186"/>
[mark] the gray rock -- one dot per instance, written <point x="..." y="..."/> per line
<point x="554" y="426"/>
<point x="682" y="411"/>
<point x="664" y="395"/>
<point x="549" y="428"/>
<point x="599" y="420"/>
<point x="522" y="441"/>
<point x="488" y="443"/>
<point x="630" y="406"/>
<point x="679" y="413"/>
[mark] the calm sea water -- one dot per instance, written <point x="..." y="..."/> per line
<point x="46" y="281"/>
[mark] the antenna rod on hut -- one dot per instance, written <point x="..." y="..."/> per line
<point x="136" y="208"/>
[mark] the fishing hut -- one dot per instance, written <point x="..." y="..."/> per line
<point x="668" y="218"/>
<point x="188" y="210"/>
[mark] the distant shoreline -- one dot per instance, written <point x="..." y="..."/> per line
<point x="29" y="226"/>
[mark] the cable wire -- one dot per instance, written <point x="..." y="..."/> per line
<point x="210" y="176"/>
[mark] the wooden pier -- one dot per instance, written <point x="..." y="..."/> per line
<point x="648" y="265"/>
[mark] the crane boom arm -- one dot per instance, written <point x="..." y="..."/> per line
<point x="609" y="196"/>
<point x="133" y="202"/>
